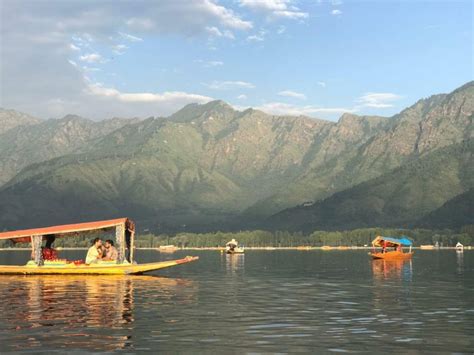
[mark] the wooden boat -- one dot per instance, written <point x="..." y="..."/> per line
<point x="236" y="250"/>
<point x="303" y="247"/>
<point x="232" y="247"/>
<point x="124" y="239"/>
<point x="392" y="255"/>
<point x="167" y="249"/>
<point x="389" y="242"/>
<point x="68" y="268"/>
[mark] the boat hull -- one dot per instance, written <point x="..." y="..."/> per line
<point x="94" y="269"/>
<point x="392" y="255"/>
<point x="235" y="251"/>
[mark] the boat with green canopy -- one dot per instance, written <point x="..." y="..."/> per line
<point x="389" y="242"/>
<point x="122" y="228"/>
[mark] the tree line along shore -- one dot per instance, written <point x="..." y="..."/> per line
<point x="281" y="239"/>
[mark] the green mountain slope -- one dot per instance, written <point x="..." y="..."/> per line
<point x="210" y="166"/>
<point x="399" y="198"/>
<point x="459" y="211"/>
<point x="32" y="141"/>
<point x="428" y="125"/>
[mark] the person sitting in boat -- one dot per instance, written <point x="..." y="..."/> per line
<point x="49" y="253"/>
<point x="94" y="254"/>
<point x="111" y="252"/>
<point x="230" y="246"/>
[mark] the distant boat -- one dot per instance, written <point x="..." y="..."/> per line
<point x="232" y="247"/>
<point x="236" y="251"/>
<point x="389" y="242"/>
<point x="167" y="248"/>
<point x="303" y="247"/>
<point x="459" y="247"/>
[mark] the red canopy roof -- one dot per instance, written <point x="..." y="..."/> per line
<point x="25" y="234"/>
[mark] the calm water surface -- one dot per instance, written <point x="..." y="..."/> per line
<point x="263" y="301"/>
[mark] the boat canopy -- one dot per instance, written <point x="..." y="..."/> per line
<point x="391" y="242"/>
<point x="124" y="235"/>
<point x="25" y="235"/>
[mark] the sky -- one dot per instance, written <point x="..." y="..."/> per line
<point x="320" y="58"/>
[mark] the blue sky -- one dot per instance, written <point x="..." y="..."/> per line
<point x="317" y="58"/>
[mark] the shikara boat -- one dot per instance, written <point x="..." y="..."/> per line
<point x="236" y="250"/>
<point x="124" y="240"/>
<point x="427" y="247"/>
<point x="232" y="247"/>
<point x="389" y="242"/>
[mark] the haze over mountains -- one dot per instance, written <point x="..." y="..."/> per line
<point x="210" y="167"/>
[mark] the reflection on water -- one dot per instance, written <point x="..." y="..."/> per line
<point x="460" y="261"/>
<point x="263" y="301"/>
<point x="84" y="312"/>
<point x="234" y="262"/>
<point x="392" y="269"/>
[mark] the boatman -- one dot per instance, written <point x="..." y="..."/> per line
<point x="232" y="244"/>
<point x="93" y="254"/>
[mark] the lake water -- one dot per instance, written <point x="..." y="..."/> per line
<point x="263" y="301"/>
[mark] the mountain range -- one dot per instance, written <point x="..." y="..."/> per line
<point x="210" y="167"/>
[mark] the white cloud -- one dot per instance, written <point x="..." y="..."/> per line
<point x="321" y="83"/>
<point x="294" y="15"/>
<point x="280" y="108"/>
<point x="73" y="47"/>
<point x="275" y="8"/>
<point x="378" y="100"/>
<point x="92" y="58"/>
<point x="215" y="32"/>
<point x="229" y="85"/>
<point x="99" y="90"/>
<point x="45" y="31"/>
<point x="226" y="16"/>
<point x="336" y="12"/>
<point x="242" y="97"/>
<point x="130" y="37"/>
<point x="336" y="2"/>
<point x="90" y="69"/>
<point x="210" y="63"/>
<point x="119" y="49"/>
<point x="140" y="24"/>
<point x="292" y="94"/>
<point x="258" y="37"/>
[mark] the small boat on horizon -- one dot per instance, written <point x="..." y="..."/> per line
<point x="459" y="247"/>
<point x="167" y="248"/>
<point x="232" y="247"/>
<point x="388" y="242"/>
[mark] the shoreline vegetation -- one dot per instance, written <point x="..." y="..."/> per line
<point x="265" y="240"/>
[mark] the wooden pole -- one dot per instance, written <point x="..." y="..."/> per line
<point x="132" y="245"/>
